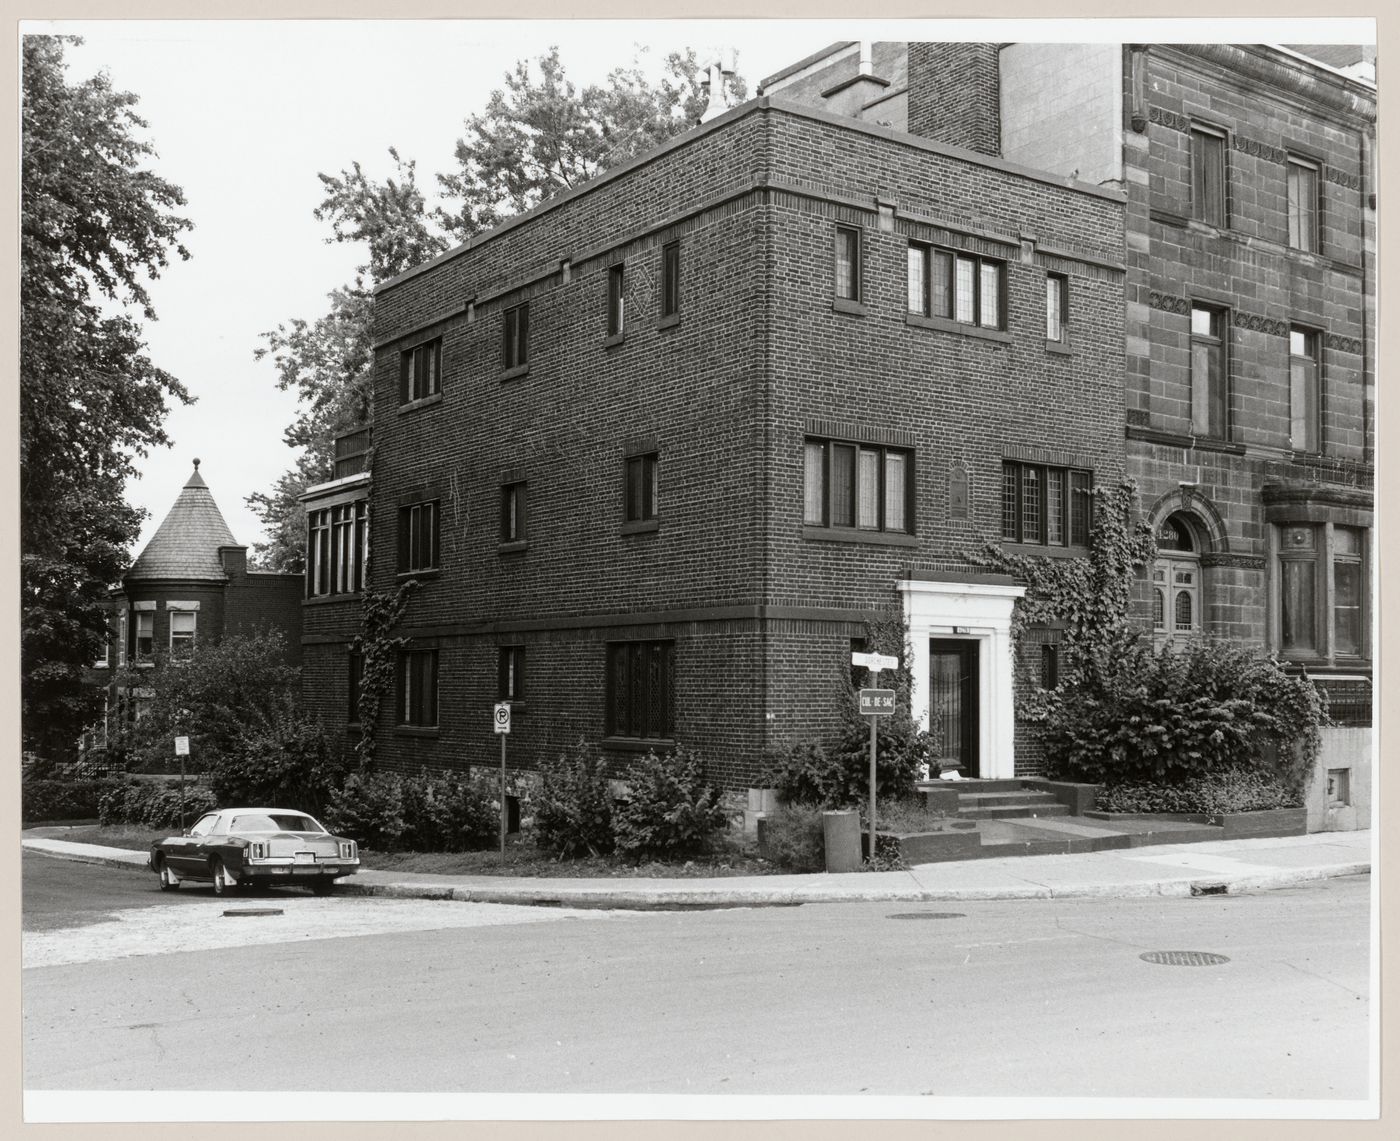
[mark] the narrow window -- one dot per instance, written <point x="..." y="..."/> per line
<point x="919" y="296"/>
<point x="941" y="285"/>
<point x="1208" y="176"/>
<point x="1298" y="593"/>
<point x="1302" y="205"/>
<point x="510" y="673"/>
<point x="145" y="635"/>
<point x="964" y="290"/>
<point x="1304" y="392"/>
<point x="1208" y="397"/>
<point x="616" y="295"/>
<point x="513" y="513"/>
<point x="1056" y="307"/>
<point x="989" y="303"/>
<point x="419" y="372"/>
<point x="640" y="690"/>
<point x="318" y="553"/>
<point x="182" y="628"/>
<point x="355" y="672"/>
<point x="640" y="493"/>
<point x="670" y="279"/>
<point x="418" y="537"/>
<point x="1049" y="665"/>
<point x="814" y="489"/>
<point x="122" y="635"/>
<point x="847" y="263"/>
<point x="1346" y="591"/>
<point x="515" y="352"/>
<point x="418" y="688"/>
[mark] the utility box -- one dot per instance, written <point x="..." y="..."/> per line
<point x="841" y="835"/>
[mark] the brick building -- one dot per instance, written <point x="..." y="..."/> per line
<point x="1250" y="302"/>
<point x="191" y="583"/>
<point x="654" y="450"/>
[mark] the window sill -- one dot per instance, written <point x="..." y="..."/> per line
<point x="945" y="325"/>
<point x="322" y="599"/>
<point x="613" y="341"/>
<point x="670" y="321"/>
<point x="641" y="527"/>
<point x="515" y="373"/>
<point x="658" y="745"/>
<point x="515" y="547"/>
<point x="416" y="730"/>
<point x="845" y="305"/>
<point x="1058" y="348"/>
<point x="852" y="535"/>
<point x="425" y="402"/>
<point x="1045" y="549"/>
<point x="425" y="573"/>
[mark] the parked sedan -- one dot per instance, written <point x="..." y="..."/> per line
<point x="240" y="847"/>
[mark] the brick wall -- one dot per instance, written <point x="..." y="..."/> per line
<point x="954" y="94"/>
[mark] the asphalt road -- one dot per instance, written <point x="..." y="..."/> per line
<point x="1024" y="998"/>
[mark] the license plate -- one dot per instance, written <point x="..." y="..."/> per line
<point x="306" y="857"/>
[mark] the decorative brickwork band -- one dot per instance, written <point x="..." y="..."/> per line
<point x="1235" y="562"/>
<point x="1169" y="119"/>
<point x="1342" y="178"/>
<point x="1257" y="324"/>
<point x="1260" y="150"/>
<point x="1168" y="303"/>
<point x="1343" y="344"/>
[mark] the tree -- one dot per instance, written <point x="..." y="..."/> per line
<point x="538" y="136"/>
<point x="95" y="224"/>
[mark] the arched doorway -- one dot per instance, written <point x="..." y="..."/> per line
<point x="1177" y="595"/>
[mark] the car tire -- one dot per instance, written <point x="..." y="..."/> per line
<point x="167" y="880"/>
<point x="323" y="887"/>
<point x="216" y="872"/>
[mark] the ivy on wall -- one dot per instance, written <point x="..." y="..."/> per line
<point x="378" y="646"/>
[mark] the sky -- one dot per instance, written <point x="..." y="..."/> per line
<point x="244" y="114"/>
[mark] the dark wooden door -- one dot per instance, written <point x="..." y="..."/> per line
<point x="953" y="702"/>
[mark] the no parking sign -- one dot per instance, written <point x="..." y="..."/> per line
<point x="501" y="717"/>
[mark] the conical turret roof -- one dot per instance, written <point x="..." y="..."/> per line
<point x="186" y="544"/>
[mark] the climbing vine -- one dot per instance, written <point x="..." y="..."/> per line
<point x="378" y="646"/>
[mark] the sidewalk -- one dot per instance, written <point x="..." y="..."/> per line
<point x="1210" y="867"/>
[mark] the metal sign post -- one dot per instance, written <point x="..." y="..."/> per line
<point x="182" y="750"/>
<point x="500" y="720"/>
<point x="877" y="703"/>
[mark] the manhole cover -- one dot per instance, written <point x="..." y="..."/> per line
<point x="928" y="915"/>
<point x="255" y="911"/>
<point x="1184" y="958"/>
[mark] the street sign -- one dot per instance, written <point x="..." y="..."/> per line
<point x="501" y="717"/>
<point x="877" y="702"/>
<point x="875" y="662"/>
<point x="182" y="746"/>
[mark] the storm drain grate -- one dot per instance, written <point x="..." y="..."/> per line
<point x="927" y="915"/>
<point x="1184" y="958"/>
<point x="255" y="911"/>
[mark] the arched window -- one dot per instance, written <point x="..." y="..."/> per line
<point x="1183" y="622"/>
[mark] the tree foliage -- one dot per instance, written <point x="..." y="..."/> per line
<point x="96" y="224"/>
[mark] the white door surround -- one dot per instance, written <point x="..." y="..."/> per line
<point x="978" y="609"/>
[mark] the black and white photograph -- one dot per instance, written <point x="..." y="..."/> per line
<point x="697" y="570"/>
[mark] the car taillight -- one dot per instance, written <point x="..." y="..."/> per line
<point x="347" y="849"/>
<point x="257" y="850"/>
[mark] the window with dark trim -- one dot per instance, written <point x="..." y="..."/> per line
<point x="1209" y="388"/>
<point x="420" y="372"/>
<point x="640" y="492"/>
<point x="1049" y="665"/>
<point x="1304" y="391"/>
<point x="957" y="286"/>
<point x="1044" y="505"/>
<point x="418" y="536"/>
<point x="670" y="279"/>
<point x="355" y="672"/>
<point x="1056" y="306"/>
<point x="848" y="263"/>
<point x="337" y="549"/>
<point x="866" y="487"/>
<point x="145" y="643"/>
<point x="1208" y="176"/>
<point x="1302" y="204"/>
<point x="1318" y="609"/>
<point x="418" y="688"/>
<point x="515" y="337"/>
<point x="617" y="294"/>
<point x="182" y="634"/>
<point x="641" y="691"/>
<point x="513" y="513"/>
<point x="510" y="673"/>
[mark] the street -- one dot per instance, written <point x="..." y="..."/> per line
<point x="1020" y="998"/>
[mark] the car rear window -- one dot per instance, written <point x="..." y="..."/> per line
<point x="281" y="822"/>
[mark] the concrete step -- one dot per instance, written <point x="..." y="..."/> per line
<point x="988" y="799"/>
<point x="1048" y="808"/>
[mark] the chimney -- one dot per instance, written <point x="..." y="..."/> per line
<point x="716" y="91"/>
<point x="955" y="94"/>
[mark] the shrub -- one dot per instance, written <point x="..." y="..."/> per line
<point x="449" y="812"/>
<point x="1229" y="790"/>
<point x="155" y="805"/>
<point x="793" y="838"/>
<point x="75" y="799"/>
<point x="670" y="808"/>
<point x="573" y="806"/>
<point x="803" y="772"/>
<point x="289" y="762"/>
<point x="1130" y="713"/>
<point x="369" y="808"/>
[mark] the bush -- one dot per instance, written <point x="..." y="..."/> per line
<point x="1229" y="790"/>
<point x="53" y="799"/>
<point x="1130" y="713"/>
<point x="574" y="805"/>
<point x="802" y="772"/>
<point x="793" y="838"/>
<point x="155" y="806"/>
<point x="369" y="809"/>
<point x="288" y="763"/>
<point x="449" y="812"/>
<point x="670" y="808"/>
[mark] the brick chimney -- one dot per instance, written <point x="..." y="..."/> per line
<point x="955" y="96"/>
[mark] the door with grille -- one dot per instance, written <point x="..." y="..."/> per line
<point x="953" y="703"/>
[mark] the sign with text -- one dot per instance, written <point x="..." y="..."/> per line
<point x="879" y="702"/>
<point x="500" y="718"/>
<point x="182" y="746"/>
<point x="875" y="662"/>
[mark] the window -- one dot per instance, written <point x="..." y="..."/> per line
<point x="122" y="635"/>
<point x="1208" y="396"/>
<point x="860" y="486"/>
<point x="640" y="492"/>
<point x="510" y="673"/>
<point x="182" y="627"/>
<point x="1304" y="392"/>
<point x="418" y="537"/>
<point x="671" y="279"/>
<point x="355" y="673"/>
<point x="1049" y="665"/>
<point x="957" y="287"/>
<point x="145" y="635"/>
<point x="515" y="338"/>
<point x="1346" y="591"/>
<point x="418" y="684"/>
<point x="1176" y="581"/>
<point x="337" y="549"/>
<point x="1208" y="176"/>
<point x="1302" y="205"/>
<point x="513" y="513"/>
<point x="616" y="295"/>
<point x="640" y="690"/>
<point x="847" y="263"/>
<point x="420" y="373"/>
<point x="100" y="661"/>
<point x="1045" y="505"/>
<point x="1056" y="307"/>
<point x="1322" y="606"/>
